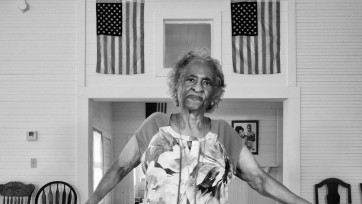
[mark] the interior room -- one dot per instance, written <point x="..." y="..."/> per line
<point x="73" y="93"/>
<point x="117" y="122"/>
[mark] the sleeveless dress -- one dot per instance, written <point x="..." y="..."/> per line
<point x="198" y="170"/>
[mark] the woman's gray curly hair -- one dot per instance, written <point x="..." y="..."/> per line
<point x="201" y="57"/>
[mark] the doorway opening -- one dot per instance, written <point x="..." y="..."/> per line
<point x="119" y="120"/>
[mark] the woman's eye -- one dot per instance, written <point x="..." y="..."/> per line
<point x="190" y="80"/>
<point x="207" y="83"/>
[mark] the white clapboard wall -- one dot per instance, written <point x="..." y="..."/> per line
<point x="38" y="91"/>
<point x="101" y="120"/>
<point x="127" y="117"/>
<point x="329" y="72"/>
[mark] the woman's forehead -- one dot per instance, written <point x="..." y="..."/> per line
<point x="198" y="69"/>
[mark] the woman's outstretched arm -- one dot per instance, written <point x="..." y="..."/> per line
<point x="127" y="160"/>
<point x="249" y="170"/>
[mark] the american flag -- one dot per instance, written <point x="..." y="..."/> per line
<point x="120" y="37"/>
<point x="256" y="37"/>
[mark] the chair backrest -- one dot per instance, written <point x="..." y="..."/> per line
<point x="56" y="192"/>
<point x="332" y="190"/>
<point x="16" y="192"/>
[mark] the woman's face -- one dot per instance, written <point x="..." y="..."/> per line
<point x="196" y="88"/>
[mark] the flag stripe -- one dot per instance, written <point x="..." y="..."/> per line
<point x="130" y="35"/>
<point x="138" y="66"/>
<point x="262" y="22"/>
<point x="278" y="36"/>
<point x="109" y="54"/>
<point x="142" y="36"/>
<point x="248" y="46"/>
<point x="271" y="45"/>
<point x="259" y="53"/>
<point x="116" y="54"/>
<point x="134" y="29"/>
<point x="241" y="51"/>
<point x="267" y="39"/>
<point x="234" y="53"/>
<point x="127" y="37"/>
<point x="99" y="55"/>
<point x="124" y="40"/>
<point x="256" y="56"/>
<point x="120" y="46"/>
<point x="105" y="54"/>
<point x="260" y="42"/>
<point x="112" y="54"/>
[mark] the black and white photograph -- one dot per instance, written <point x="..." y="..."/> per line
<point x="248" y="130"/>
<point x="181" y="101"/>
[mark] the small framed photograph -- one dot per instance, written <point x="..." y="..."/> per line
<point x="248" y="130"/>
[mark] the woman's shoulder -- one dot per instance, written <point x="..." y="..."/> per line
<point x="219" y="125"/>
<point x="159" y="118"/>
<point x="220" y="122"/>
<point x="158" y="115"/>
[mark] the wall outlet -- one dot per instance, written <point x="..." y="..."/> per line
<point x="33" y="162"/>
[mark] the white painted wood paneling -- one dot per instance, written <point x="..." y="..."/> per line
<point x="102" y="121"/>
<point x="329" y="61"/>
<point x="102" y="118"/>
<point x="127" y="117"/>
<point x="38" y="91"/>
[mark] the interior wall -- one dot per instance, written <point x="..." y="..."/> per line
<point x="102" y="121"/>
<point x="330" y="76"/>
<point x="38" y="91"/>
<point x="102" y="118"/>
<point x="127" y="116"/>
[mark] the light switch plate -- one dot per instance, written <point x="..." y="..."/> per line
<point x="31" y="135"/>
<point x="33" y="163"/>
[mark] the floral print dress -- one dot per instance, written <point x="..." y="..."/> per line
<point x="196" y="170"/>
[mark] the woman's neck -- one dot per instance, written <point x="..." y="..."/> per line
<point x="192" y="123"/>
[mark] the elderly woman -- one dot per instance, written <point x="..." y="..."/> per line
<point x="188" y="157"/>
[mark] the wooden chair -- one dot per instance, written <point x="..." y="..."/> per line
<point x="56" y="192"/>
<point x="16" y="193"/>
<point x="332" y="190"/>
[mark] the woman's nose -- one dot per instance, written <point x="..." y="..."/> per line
<point x="198" y="87"/>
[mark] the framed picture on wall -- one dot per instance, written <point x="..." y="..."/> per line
<point x="248" y="130"/>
